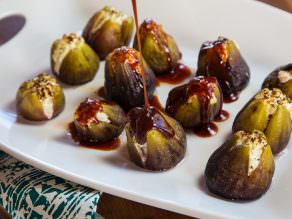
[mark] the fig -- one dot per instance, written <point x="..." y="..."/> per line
<point x="158" y="48"/>
<point x="268" y="111"/>
<point x="40" y="98"/>
<point x="73" y="61"/>
<point x="222" y="59"/>
<point x="280" y="78"/>
<point x="107" y="30"/>
<point x="242" y="168"/>
<point x="123" y="78"/>
<point x="195" y="103"/>
<point x="99" y="120"/>
<point x="155" y="141"/>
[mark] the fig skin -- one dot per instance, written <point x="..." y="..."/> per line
<point x="40" y="98"/>
<point x="99" y="120"/>
<point x="280" y="78"/>
<point x="123" y="78"/>
<point x="242" y="168"/>
<point x="222" y="59"/>
<point x="195" y="103"/>
<point x="158" y="48"/>
<point x="155" y="141"/>
<point x="73" y="61"/>
<point x="268" y="111"/>
<point x="107" y="30"/>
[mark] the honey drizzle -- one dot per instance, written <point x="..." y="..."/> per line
<point x="146" y="100"/>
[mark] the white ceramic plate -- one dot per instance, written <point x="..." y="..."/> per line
<point x="264" y="35"/>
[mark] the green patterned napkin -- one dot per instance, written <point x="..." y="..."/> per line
<point x="29" y="193"/>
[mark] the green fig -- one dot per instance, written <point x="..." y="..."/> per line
<point x="158" y="48"/>
<point x="268" y="111"/>
<point x="195" y="103"/>
<point x="107" y="30"/>
<point x="155" y="141"/>
<point x="40" y="98"/>
<point x="99" y="120"/>
<point x="242" y="168"/>
<point x="73" y="61"/>
<point x="280" y="78"/>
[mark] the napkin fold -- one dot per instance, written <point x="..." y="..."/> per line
<point x="29" y="193"/>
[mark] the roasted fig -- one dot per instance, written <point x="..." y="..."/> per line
<point x="270" y="112"/>
<point x="40" y="98"/>
<point x="155" y="141"/>
<point x="107" y="30"/>
<point x="123" y="78"/>
<point x="195" y="103"/>
<point x="280" y="78"/>
<point x="222" y="59"/>
<point x="242" y="168"/>
<point x="158" y="48"/>
<point x="99" y="120"/>
<point x="73" y="61"/>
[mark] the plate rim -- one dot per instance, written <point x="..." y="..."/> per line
<point x="174" y="207"/>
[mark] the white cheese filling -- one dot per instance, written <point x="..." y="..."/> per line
<point x="102" y="117"/>
<point x="142" y="150"/>
<point x="48" y="107"/>
<point x="255" y="142"/>
<point x="284" y="76"/>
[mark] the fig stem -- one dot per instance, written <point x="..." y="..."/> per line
<point x="140" y="52"/>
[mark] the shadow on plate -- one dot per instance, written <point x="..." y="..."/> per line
<point x="10" y="26"/>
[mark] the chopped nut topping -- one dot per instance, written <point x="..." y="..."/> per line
<point x="274" y="98"/>
<point x="42" y="85"/>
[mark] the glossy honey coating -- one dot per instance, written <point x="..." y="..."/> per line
<point x="98" y="120"/>
<point x="158" y="48"/>
<point x="268" y="111"/>
<point x="155" y="141"/>
<point x="195" y="103"/>
<point x="107" y="30"/>
<point x="123" y="78"/>
<point x="73" y="61"/>
<point x="280" y="78"/>
<point x="242" y="168"/>
<point x="40" y="98"/>
<point x="222" y="59"/>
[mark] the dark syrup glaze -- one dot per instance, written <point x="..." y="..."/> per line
<point x="143" y="119"/>
<point x="207" y="130"/>
<point x="222" y="116"/>
<point x="176" y="76"/>
<point x="104" y="146"/>
<point x="87" y="110"/>
<point x="134" y="4"/>
<point x="156" y="103"/>
<point x="231" y="98"/>
<point x="218" y="65"/>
